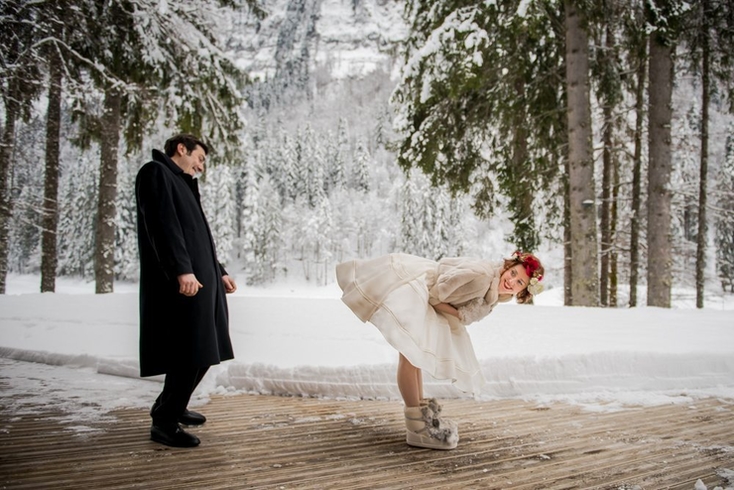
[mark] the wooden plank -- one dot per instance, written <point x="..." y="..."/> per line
<point x="265" y="442"/>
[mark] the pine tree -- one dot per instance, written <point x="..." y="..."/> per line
<point x="336" y="164"/>
<point x="725" y="218"/>
<point x="683" y="183"/>
<point x="410" y="229"/>
<point x="49" y="222"/>
<point x="582" y="209"/>
<point x="635" y="40"/>
<point x="127" y="265"/>
<point x="294" y="167"/>
<point x="471" y="112"/>
<point x="145" y="49"/>
<point x="362" y="164"/>
<point x="317" y="235"/>
<point x="277" y="161"/>
<point x="63" y="48"/>
<point x="664" y="17"/>
<point x="261" y="225"/>
<point x="76" y="213"/>
<point x="340" y="149"/>
<point x="312" y="166"/>
<point x="606" y="68"/>
<point x="251" y="227"/>
<point x="20" y="75"/>
<point x="25" y="233"/>
<point x="342" y="138"/>
<point x="710" y="41"/>
<point x="431" y="220"/>
<point x="27" y="198"/>
<point x="271" y="243"/>
<point x="219" y="207"/>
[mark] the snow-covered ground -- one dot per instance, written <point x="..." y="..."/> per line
<point x="301" y="340"/>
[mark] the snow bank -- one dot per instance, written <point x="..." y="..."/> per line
<point x="301" y="345"/>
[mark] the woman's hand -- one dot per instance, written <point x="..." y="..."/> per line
<point x="447" y="308"/>
<point x="474" y="310"/>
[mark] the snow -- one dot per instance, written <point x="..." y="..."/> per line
<point x="725" y="474"/>
<point x="348" y="39"/>
<point x="295" y="339"/>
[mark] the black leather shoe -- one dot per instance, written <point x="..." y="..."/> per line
<point x="190" y="417"/>
<point x="173" y="436"/>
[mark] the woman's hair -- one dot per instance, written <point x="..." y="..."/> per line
<point x="188" y="140"/>
<point x="533" y="268"/>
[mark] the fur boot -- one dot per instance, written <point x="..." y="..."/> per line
<point x="426" y="429"/>
<point x="433" y="404"/>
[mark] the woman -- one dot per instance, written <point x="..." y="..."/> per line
<point x="422" y="307"/>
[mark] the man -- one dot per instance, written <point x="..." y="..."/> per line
<point x="184" y="324"/>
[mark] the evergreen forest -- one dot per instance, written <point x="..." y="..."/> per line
<point x="599" y="135"/>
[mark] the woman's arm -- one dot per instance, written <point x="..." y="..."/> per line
<point x="447" y="308"/>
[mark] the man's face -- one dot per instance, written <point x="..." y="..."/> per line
<point x="191" y="163"/>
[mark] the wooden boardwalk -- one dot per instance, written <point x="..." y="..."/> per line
<point x="272" y="442"/>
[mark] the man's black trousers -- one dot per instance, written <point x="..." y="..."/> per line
<point x="177" y="390"/>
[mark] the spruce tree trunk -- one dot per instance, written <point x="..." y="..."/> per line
<point x="567" y="252"/>
<point x="522" y="199"/>
<point x="613" y="265"/>
<point x="637" y="182"/>
<point x="12" y="111"/>
<point x="703" y="177"/>
<point x="606" y="196"/>
<point x="50" y="216"/>
<point x="584" y="246"/>
<point x="659" y="252"/>
<point x="104" y="244"/>
<point x="608" y="161"/>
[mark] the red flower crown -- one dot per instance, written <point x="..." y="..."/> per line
<point x="532" y="266"/>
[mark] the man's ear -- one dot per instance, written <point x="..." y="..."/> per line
<point x="181" y="149"/>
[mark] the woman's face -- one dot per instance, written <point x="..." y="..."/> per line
<point x="514" y="280"/>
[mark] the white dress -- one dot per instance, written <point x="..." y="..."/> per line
<point x="396" y="292"/>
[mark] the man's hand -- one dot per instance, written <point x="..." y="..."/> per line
<point x="188" y="285"/>
<point x="229" y="284"/>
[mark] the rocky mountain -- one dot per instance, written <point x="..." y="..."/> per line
<point x="299" y="38"/>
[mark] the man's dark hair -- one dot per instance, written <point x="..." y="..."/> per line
<point x="188" y="140"/>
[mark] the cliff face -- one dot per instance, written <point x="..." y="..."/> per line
<point x="345" y="38"/>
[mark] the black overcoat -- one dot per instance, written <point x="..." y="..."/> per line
<point x="174" y="238"/>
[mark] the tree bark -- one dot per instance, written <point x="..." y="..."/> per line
<point x="521" y="202"/>
<point x="104" y="244"/>
<point x="584" y="244"/>
<point x="659" y="249"/>
<point x="606" y="209"/>
<point x="12" y="112"/>
<point x="50" y="216"/>
<point x="613" y="265"/>
<point x="703" y="177"/>
<point x="567" y="252"/>
<point x="637" y="182"/>
<point x="608" y="162"/>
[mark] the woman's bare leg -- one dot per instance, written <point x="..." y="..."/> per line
<point x="409" y="382"/>
<point x="421" y="428"/>
<point x="420" y="383"/>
